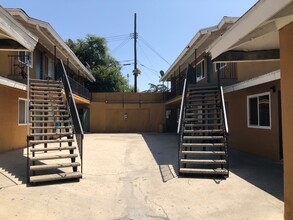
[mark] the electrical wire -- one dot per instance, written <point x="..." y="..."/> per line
<point x="118" y="38"/>
<point x="122" y="44"/>
<point x="145" y="54"/>
<point x="152" y="49"/>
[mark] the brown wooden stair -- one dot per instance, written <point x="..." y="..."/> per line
<point x="52" y="155"/>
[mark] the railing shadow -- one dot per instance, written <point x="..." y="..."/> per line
<point x="13" y="168"/>
<point x="262" y="173"/>
<point x="164" y="148"/>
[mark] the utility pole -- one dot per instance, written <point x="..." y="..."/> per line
<point x="135" y="72"/>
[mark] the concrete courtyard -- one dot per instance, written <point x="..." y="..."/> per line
<point x="133" y="176"/>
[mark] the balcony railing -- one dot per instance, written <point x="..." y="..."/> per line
<point x="79" y="89"/>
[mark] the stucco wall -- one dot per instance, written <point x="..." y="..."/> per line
<point x="12" y="136"/>
<point x="248" y="70"/>
<point x="261" y="142"/>
<point x="286" y="53"/>
<point x="129" y="112"/>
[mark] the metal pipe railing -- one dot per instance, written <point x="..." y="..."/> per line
<point x="224" y="110"/>
<point x="78" y="131"/>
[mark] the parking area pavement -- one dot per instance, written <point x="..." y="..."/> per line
<point x="133" y="176"/>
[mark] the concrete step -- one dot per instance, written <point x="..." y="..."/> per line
<point x="203" y="144"/>
<point x="53" y="166"/>
<point x="200" y="153"/>
<point x="52" y="149"/>
<point x="196" y="161"/>
<point x="51" y="141"/>
<point x="204" y="171"/>
<point x="54" y="177"/>
<point x="53" y="157"/>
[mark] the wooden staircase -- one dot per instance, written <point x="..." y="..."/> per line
<point x="203" y="141"/>
<point x="51" y="150"/>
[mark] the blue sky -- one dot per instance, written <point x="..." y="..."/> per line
<point x="163" y="26"/>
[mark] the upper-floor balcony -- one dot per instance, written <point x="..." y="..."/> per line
<point x="17" y="71"/>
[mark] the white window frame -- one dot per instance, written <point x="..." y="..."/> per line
<point x="25" y="112"/>
<point x="270" y="110"/>
<point x="203" y="71"/>
<point x="26" y="54"/>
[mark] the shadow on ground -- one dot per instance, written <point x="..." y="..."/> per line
<point x="164" y="148"/>
<point x="13" y="168"/>
<point x="262" y="173"/>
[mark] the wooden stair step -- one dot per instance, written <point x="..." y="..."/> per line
<point x="53" y="166"/>
<point x="54" y="177"/>
<point x="53" y="157"/>
<point x="212" y="91"/>
<point x="47" y="100"/>
<point x="46" y="96"/>
<point x="204" y="131"/>
<point x="44" y="81"/>
<point x="52" y="149"/>
<point x="203" y="152"/>
<point x="51" y="134"/>
<point x="203" y="95"/>
<point x="200" y="125"/>
<point x="202" y="99"/>
<point x="51" y="141"/>
<point x="45" y="84"/>
<point x="47" y="92"/>
<point x="43" y="88"/>
<point x="202" y="137"/>
<point x="200" y="86"/>
<point x="51" y="127"/>
<point x="47" y="116"/>
<point x="191" y="110"/>
<point x="201" y="113"/>
<point x="197" y="161"/>
<point x="203" y="144"/>
<point x="201" y="119"/>
<point x="51" y="121"/>
<point x="49" y="110"/>
<point x="204" y="171"/>
<point x="204" y="104"/>
<point x="47" y="105"/>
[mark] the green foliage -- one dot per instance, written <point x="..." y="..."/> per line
<point x="156" y="88"/>
<point x="93" y="53"/>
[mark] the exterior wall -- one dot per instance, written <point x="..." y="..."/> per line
<point x="261" y="142"/>
<point x="12" y="135"/>
<point x="248" y="70"/>
<point x="126" y="112"/>
<point x="286" y="54"/>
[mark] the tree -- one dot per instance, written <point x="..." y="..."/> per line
<point x="93" y="53"/>
<point x="156" y="88"/>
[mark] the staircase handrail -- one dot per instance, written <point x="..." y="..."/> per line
<point x="224" y="110"/>
<point x="183" y="99"/>
<point x="78" y="131"/>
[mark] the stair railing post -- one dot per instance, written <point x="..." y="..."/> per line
<point x="27" y="114"/>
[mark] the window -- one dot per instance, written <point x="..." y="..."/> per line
<point x="259" y="111"/>
<point x="25" y="57"/>
<point x="22" y="109"/>
<point x="50" y="70"/>
<point x="200" y="70"/>
<point x="220" y="66"/>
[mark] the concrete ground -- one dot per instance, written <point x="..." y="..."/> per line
<point x="131" y="176"/>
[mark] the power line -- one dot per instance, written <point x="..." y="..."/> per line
<point x="145" y="54"/>
<point x="122" y="44"/>
<point x="118" y="38"/>
<point x="151" y="48"/>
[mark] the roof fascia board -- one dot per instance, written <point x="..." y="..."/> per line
<point x="16" y="31"/>
<point x="194" y="44"/>
<point x="269" y="77"/>
<point x="46" y="25"/>
<point x="253" y="18"/>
